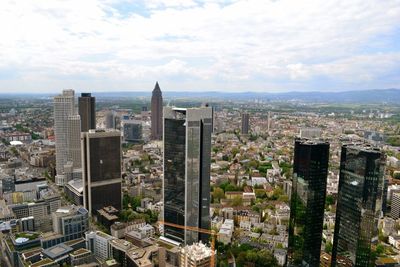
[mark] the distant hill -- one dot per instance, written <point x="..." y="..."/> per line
<point x="364" y="96"/>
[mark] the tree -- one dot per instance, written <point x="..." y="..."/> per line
<point x="218" y="194"/>
<point x="237" y="201"/>
<point x="328" y="247"/>
<point x="231" y="187"/>
<point x="330" y="200"/>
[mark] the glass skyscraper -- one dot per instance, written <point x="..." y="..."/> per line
<point x="87" y="111"/>
<point x="359" y="204"/>
<point x="187" y="154"/>
<point x="310" y="172"/>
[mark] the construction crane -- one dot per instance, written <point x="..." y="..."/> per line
<point x="199" y="230"/>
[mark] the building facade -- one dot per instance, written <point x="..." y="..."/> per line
<point x="310" y="171"/>
<point x="133" y="131"/>
<point x="74" y="141"/>
<point x="187" y="153"/>
<point x="156" y="113"/>
<point x="87" y="111"/>
<point x="101" y="170"/>
<point x="63" y="108"/>
<point x="395" y="210"/>
<point x="71" y="222"/>
<point x="245" y="123"/>
<point x="359" y="204"/>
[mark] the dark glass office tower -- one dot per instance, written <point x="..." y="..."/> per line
<point x="187" y="153"/>
<point x="101" y="163"/>
<point x="359" y="204"/>
<point x="87" y="111"/>
<point x="310" y="171"/>
<point x="245" y="123"/>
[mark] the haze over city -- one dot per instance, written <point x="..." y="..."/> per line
<point x="219" y="45"/>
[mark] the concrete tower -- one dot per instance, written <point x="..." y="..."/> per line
<point x="63" y="108"/>
<point x="156" y="113"/>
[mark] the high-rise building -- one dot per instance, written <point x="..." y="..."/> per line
<point x="74" y="141"/>
<point x="87" y="111"/>
<point x="359" y="204"/>
<point x="395" y="209"/>
<point x="133" y="131"/>
<point x="310" y="171"/>
<point x="101" y="169"/>
<point x="112" y="120"/>
<point x="245" y="123"/>
<point x="63" y="108"/>
<point x="187" y="153"/>
<point x="156" y="113"/>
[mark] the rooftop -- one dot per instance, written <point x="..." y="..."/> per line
<point x="57" y="251"/>
<point x="197" y="251"/>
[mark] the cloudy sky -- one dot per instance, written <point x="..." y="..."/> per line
<point x="226" y="45"/>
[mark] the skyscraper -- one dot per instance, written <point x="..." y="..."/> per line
<point x="74" y="140"/>
<point x="87" y="111"/>
<point x="310" y="171"/>
<point x="187" y="153"/>
<point x="156" y="113"/>
<point x="101" y="164"/>
<point x="359" y="204"/>
<point x="64" y="106"/>
<point x="245" y="123"/>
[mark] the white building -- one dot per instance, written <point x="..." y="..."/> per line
<point x="226" y="231"/>
<point x="280" y="255"/>
<point x="98" y="243"/>
<point x="195" y="255"/>
<point x="64" y="106"/>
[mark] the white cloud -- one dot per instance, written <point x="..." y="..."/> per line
<point x="234" y="45"/>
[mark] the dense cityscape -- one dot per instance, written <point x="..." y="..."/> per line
<point x="146" y="181"/>
<point x="200" y="133"/>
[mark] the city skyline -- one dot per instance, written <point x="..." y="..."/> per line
<point x="192" y="45"/>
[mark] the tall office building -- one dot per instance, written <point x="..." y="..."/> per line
<point x="87" y="111"/>
<point x="101" y="164"/>
<point x="64" y="105"/>
<point x="310" y="171"/>
<point x="359" y="204"/>
<point x="395" y="209"/>
<point x="245" y="123"/>
<point x="74" y="141"/>
<point x="109" y="120"/>
<point x="133" y="131"/>
<point x="156" y="113"/>
<point x="187" y="153"/>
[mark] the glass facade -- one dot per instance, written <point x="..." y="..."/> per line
<point x="310" y="172"/>
<point x="102" y="170"/>
<point x="87" y="111"/>
<point x="174" y="176"/>
<point x="359" y="204"/>
<point x="187" y="156"/>
<point x="105" y="158"/>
